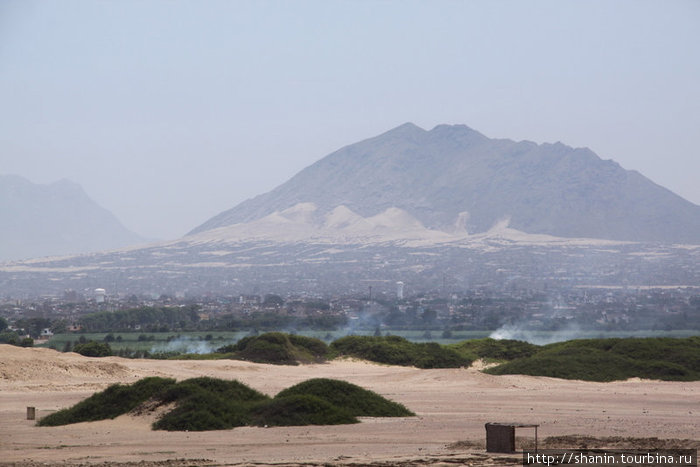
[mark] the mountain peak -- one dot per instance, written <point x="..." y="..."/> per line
<point x="54" y="219"/>
<point x="454" y="172"/>
<point x="406" y="131"/>
<point x="444" y="128"/>
<point x="408" y="127"/>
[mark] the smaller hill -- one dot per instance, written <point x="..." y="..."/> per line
<point x="612" y="359"/>
<point x="355" y="400"/>
<point x="116" y="400"/>
<point x="298" y="410"/>
<point x="55" y="219"/>
<point x="278" y="348"/>
<point x="202" y="404"/>
<point x="208" y="404"/>
<point x="395" y="350"/>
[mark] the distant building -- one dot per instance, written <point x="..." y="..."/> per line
<point x="399" y="290"/>
<point x="100" y="295"/>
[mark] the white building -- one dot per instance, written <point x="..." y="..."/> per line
<point x="100" y="295"/>
<point x="399" y="290"/>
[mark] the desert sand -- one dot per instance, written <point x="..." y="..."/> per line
<point x="452" y="406"/>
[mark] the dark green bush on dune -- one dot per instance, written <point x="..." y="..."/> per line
<point x="355" y="400"/>
<point x="504" y="349"/>
<point x="116" y="400"/>
<point x="203" y="411"/>
<point x="93" y="349"/>
<point x="208" y="404"/>
<point x="213" y="404"/>
<point x="232" y="390"/>
<point x="271" y="347"/>
<point x="613" y="359"/>
<point x="300" y="409"/>
<point x="316" y="348"/>
<point x="278" y="348"/>
<point x="395" y="350"/>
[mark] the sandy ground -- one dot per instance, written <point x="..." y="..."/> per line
<point x="452" y="407"/>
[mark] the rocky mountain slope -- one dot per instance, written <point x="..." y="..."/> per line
<point x="54" y="219"/>
<point x="455" y="179"/>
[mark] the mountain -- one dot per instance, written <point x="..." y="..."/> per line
<point x="55" y="219"/>
<point x="442" y="208"/>
<point x="454" y="179"/>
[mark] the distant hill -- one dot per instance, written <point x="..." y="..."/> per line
<point x="55" y="219"/>
<point x="455" y="179"/>
<point x="428" y="208"/>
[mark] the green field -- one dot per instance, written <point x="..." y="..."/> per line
<point x="130" y="340"/>
<point x="151" y="341"/>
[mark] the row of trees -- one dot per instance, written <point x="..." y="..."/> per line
<point x="147" y="318"/>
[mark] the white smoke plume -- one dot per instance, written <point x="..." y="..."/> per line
<point x="517" y="332"/>
<point x="184" y="345"/>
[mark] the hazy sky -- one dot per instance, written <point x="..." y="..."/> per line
<point x="168" y="112"/>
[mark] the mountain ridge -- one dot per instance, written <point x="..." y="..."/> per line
<point x="55" y="219"/>
<point x="453" y="173"/>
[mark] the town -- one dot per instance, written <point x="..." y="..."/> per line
<point x="439" y="314"/>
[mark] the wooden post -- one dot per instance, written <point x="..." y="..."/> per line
<point x="31" y="413"/>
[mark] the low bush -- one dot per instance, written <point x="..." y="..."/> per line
<point x="271" y="347"/>
<point x="355" y="400"/>
<point x="612" y="359"/>
<point x="395" y="350"/>
<point x="200" y="410"/>
<point x="213" y="404"/>
<point x="492" y="349"/>
<point x="300" y="409"/>
<point x="93" y="349"/>
<point x="208" y="404"/>
<point x="278" y="348"/>
<point x="316" y="348"/>
<point x="116" y="400"/>
<point x="230" y="390"/>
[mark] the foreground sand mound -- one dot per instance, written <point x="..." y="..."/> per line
<point x="34" y="365"/>
<point x="451" y="405"/>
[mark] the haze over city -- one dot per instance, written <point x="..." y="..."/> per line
<point x="342" y="232"/>
<point x="168" y="113"/>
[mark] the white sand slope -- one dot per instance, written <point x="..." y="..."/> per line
<point x="303" y="223"/>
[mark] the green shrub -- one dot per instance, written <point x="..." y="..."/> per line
<point x="190" y="417"/>
<point x="355" y="400"/>
<point x="206" y="403"/>
<point x="395" y="350"/>
<point x="300" y="409"/>
<point x="26" y="342"/>
<point x="277" y="348"/>
<point x="315" y="347"/>
<point x="231" y="390"/>
<point x="271" y="347"/>
<point x="612" y="359"/>
<point x="93" y="349"/>
<point x="114" y="401"/>
<point x="203" y="411"/>
<point x="9" y="337"/>
<point x="504" y="349"/>
<point x="213" y="404"/>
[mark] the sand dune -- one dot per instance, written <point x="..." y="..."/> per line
<point x="452" y="406"/>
